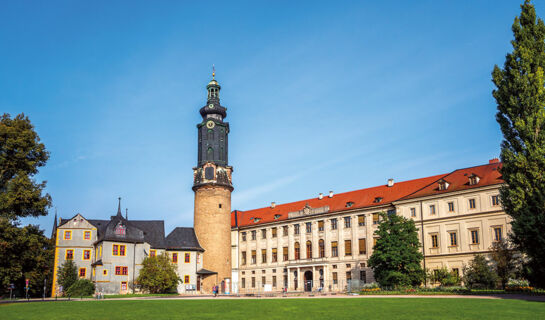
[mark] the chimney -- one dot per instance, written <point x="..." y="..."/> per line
<point x="494" y="160"/>
<point x="390" y="182"/>
<point x="320" y="196"/>
<point x="273" y="204"/>
<point x="331" y="194"/>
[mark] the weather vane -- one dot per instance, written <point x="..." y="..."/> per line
<point x="213" y="71"/>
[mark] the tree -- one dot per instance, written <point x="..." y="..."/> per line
<point x="479" y="275"/>
<point x="520" y="96"/>
<point x="67" y="275"/>
<point x="505" y="261"/>
<point x="396" y="256"/>
<point x="445" y="277"/>
<point x="158" y="275"/>
<point x="82" y="287"/>
<point x="21" y="154"/>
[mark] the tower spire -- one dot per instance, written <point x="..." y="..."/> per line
<point x="119" y="207"/>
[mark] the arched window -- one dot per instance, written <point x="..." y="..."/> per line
<point x="309" y="249"/>
<point x="210" y="134"/>
<point x="297" y="251"/>
<point x="210" y="154"/>
<point x="321" y="244"/>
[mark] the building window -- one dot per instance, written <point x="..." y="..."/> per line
<point x="432" y="209"/>
<point x="334" y="249"/>
<point x="375" y="218"/>
<point x="86" y="235"/>
<point x="121" y="271"/>
<point x="244" y="236"/>
<point x="274" y="281"/>
<point x="274" y="255"/>
<point x="474" y="236"/>
<point x="413" y="212"/>
<point x="348" y="275"/>
<point x="472" y="204"/>
<point x="253" y="282"/>
<point x="321" y="248"/>
<point x="82" y="272"/>
<point x="361" y="220"/>
<point x="124" y="286"/>
<point x="295" y="229"/>
<point x="497" y="234"/>
<point x="347" y="247"/>
<point x="153" y="253"/>
<point x="273" y="232"/>
<point x="67" y="235"/>
<point x="434" y="241"/>
<point x="86" y="254"/>
<point x="198" y="258"/>
<point x="118" y="250"/>
<point x="254" y="259"/>
<point x="187" y="257"/>
<point x="453" y="239"/>
<point x="333" y="224"/>
<point x="253" y="235"/>
<point x="451" y="206"/>
<point x="104" y="272"/>
<point x="362" y="246"/>
<point x="186" y="278"/>
<point x="496" y="200"/>
<point x="285" y="231"/>
<point x="297" y="251"/>
<point x="285" y="255"/>
<point x="263" y="281"/>
<point x="473" y="180"/>
<point x="308" y="227"/>
<point x="243" y="284"/>
<point x="363" y="276"/>
<point x="243" y="258"/>
<point x="69" y="254"/>
<point x="263" y="255"/>
<point x="309" y="249"/>
<point x="347" y="222"/>
<point x="175" y="257"/>
<point x="263" y="233"/>
<point x="120" y="230"/>
<point x="335" y="279"/>
<point x="374" y="241"/>
<point x="321" y="225"/>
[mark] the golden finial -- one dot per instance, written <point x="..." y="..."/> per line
<point x="213" y="72"/>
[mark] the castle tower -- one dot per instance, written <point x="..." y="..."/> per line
<point x="212" y="185"/>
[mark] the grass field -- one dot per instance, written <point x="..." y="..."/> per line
<point x="369" y="308"/>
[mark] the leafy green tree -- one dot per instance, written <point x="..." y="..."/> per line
<point x="81" y="287"/>
<point x="506" y="261"/>
<point x="396" y="256"/>
<point x="67" y="274"/>
<point x="478" y="274"/>
<point x="21" y="154"/>
<point x="444" y="277"/>
<point x="158" y="275"/>
<point x="520" y="97"/>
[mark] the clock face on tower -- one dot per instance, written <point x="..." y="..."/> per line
<point x="210" y="124"/>
<point x="211" y="106"/>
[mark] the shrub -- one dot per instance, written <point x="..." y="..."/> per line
<point x="81" y="287"/>
<point x="67" y="274"/>
<point x="479" y="275"/>
<point x="444" y="277"/>
<point x="158" y="275"/>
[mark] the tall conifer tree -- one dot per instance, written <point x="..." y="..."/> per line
<point x="520" y="96"/>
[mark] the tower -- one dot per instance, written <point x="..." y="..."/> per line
<point x="212" y="186"/>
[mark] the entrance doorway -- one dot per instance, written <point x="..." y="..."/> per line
<point x="308" y="281"/>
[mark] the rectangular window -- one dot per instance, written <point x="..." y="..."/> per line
<point x="274" y="257"/>
<point x="263" y="255"/>
<point x="125" y="271"/>
<point x="413" y="212"/>
<point x="374" y="241"/>
<point x="187" y="257"/>
<point x="124" y="286"/>
<point x="243" y="284"/>
<point x="348" y="275"/>
<point x="347" y="247"/>
<point x="254" y="259"/>
<point x="274" y="281"/>
<point x="153" y="253"/>
<point x="121" y="250"/>
<point x="186" y="279"/>
<point x="263" y="281"/>
<point x="273" y="232"/>
<point x="86" y="235"/>
<point x="496" y="200"/>
<point x="451" y="206"/>
<point x="104" y="272"/>
<point x="347" y="222"/>
<point x="121" y="271"/>
<point x="82" y="272"/>
<point x="321" y="225"/>
<point x="361" y="220"/>
<point x="118" y="250"/>
<point x="253" y="282"/>
<point x="432" y="209"/>
<point x="333" y="224"/>
<point x="67" y="235"/>
<point x="254" y="235"/>
<point x="175" y="257"/>
<point x="285" y="253"/>
<point x="86" y="254"/>
<point x="285" y="231"/>
<point x="474" y="236"/>
<point x="295" y="229"/>
<point x="263" y="233"/>
<point x="472" y="204"/>
<point x="434" y="241"/>
<point x="334" y="249"/>
<point x="453" y="239"/>
<point x="376" y="218"/>
<point x="362" y="246"/>
<point x="335" y="280"/>
<point x="243" y="236"/>
<point x="497" y="234"/>
<point x="69" y="254"/>
<point x="363" y="276"/>
<point x="308" y="227"/>
<point x="243" y="258"/>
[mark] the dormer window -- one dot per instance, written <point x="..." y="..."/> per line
<point x="349" y="204"/>
<point x="276" y="216"/>
<point x="473" y="179"/>
<point x="120" y="230"/>
<point x="443" y="185"/>
<point x="378" y="199"/>
<point x="257" y="220"/>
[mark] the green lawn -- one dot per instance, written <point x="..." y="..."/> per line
<point x="285" y="309"/>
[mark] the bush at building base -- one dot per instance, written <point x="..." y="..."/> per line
<point x="81" y="287"/>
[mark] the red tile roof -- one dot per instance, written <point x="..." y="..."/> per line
<point x="458" y="180"/>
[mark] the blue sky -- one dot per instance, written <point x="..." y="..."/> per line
<point x="320" y="95"/>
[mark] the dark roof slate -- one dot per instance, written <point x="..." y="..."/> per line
<point x="183" y="239"/>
